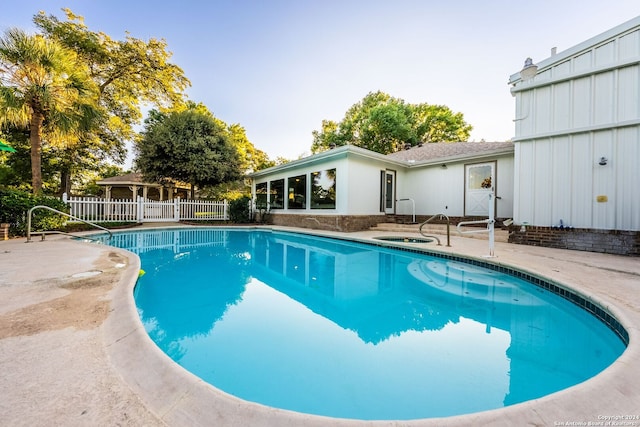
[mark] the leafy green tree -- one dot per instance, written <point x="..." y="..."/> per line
<point x="188" y="146"/>
<point x="128" y="73"/>
<point x="437" y="123"/>
<point x="386" y="124"/>
<point x="46" y="88"/>
<point x="252" y="159"/>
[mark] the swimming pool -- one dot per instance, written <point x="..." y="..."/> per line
<point x="357" y="331"/>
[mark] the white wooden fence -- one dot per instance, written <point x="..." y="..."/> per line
<point x="141" y="210"/>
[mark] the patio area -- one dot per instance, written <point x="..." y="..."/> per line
<point x="73" y="351"/>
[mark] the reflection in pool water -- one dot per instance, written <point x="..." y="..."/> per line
<point x="350" y="330"/>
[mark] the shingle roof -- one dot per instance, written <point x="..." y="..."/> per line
<point x="445" y="150"/>
<point x="129" y="177"/>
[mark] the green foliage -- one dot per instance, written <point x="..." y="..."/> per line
<point x="251" y="158"/>
<point x="226" y="191"/>
<point x="239" y="210"/>
<point x="188" y="146"/>
<point x="45" y="88"/>
<point x="14" y="206"/>
<point x="385" y="124"/>
<point x="15" y="168"/>
<point x="127" y="73"/>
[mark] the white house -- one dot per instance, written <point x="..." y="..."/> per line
<point x="571" y="176"/>
<point x="577" y="142"/>
<point x="350" y="188"/>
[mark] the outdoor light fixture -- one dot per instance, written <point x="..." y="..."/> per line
<point x="603" y="161"/>
<point x="529" y="70"/>
<point x="443" y="166"/>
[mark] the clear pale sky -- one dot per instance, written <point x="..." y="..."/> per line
<point x="280" y="67"/>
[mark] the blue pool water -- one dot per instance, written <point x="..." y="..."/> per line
<point x="351" y="330"/>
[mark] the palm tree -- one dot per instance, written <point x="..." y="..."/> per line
<point x="43" y="86"/>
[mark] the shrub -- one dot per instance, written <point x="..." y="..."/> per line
<point x="14" y="206"/>
<point x="240" y="210"/>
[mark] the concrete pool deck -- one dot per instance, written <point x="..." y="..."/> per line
<point x="73" y="351"/>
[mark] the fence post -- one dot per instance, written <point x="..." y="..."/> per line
<point x="140" y="210"/>
<point x="176" y="209"/>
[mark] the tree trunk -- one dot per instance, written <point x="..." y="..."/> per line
<point x="35" y="139"/>
<point x="65" y="182"/>
<point x="193" y="191"/>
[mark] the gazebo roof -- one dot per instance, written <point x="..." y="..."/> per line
<point x="126" y="179"/>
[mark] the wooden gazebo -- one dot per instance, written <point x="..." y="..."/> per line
<point x="132" y="186"/>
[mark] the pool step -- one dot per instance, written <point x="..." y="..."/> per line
<point x="500" y="235"/>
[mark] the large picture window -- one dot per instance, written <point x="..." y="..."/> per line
<point x="323" y="189"/>
<point x="261" y="195"/>
<point x="297" y="192"/>
<point x="277" y="194"/>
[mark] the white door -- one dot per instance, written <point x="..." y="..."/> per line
<point x="388" y="192"/>
<point x="479" y="183"/>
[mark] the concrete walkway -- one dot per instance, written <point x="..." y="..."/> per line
<point x="73" y="351"/>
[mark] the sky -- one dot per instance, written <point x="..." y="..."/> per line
<point x="280" y="67"/>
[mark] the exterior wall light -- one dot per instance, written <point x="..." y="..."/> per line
<point x="529" y="70"/>
<point x="603" y="161"/>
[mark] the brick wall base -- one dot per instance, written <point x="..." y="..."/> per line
<point x="346" y="223"/>
<point x="580" y="239"/>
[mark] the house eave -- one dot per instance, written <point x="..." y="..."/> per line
<point x="336" y="153"/>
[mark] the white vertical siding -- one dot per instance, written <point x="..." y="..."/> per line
<point x="363" y="179"/>
<point x="504" y="187"/>
<point x="581" y="167"/>
<point x="542" y="110"/>
<point x="582" y="62"/>
<point x="562" y="105"/>
<point x="562" y="69"/>
<point x="543" y="177"/>
<point x="524" y="195"/>
<point x="603" y="102"/>
<point x="605" y="54"/>
<point x="603" y="181"/>
<point x="581" y="102"/>
<point x="584" y="104"/>
<point x="561" y="180"/>
<point x="435" y="190"/>
<point x="627" y="178"/>
<point x="629" y="45"/>
<point x="628" y="93"/>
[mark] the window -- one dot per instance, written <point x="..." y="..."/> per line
<point x="297" y="192"/>
<point x="323" y="189"/>
<point x="479" y="177"/>
<point x="277" y="194"/>
<point x="261" y="195"/>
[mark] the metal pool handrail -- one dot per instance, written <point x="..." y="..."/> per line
<point x="441" y="216"/>
<point x="58" y="232"/>
<point x="490" y="226"/>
